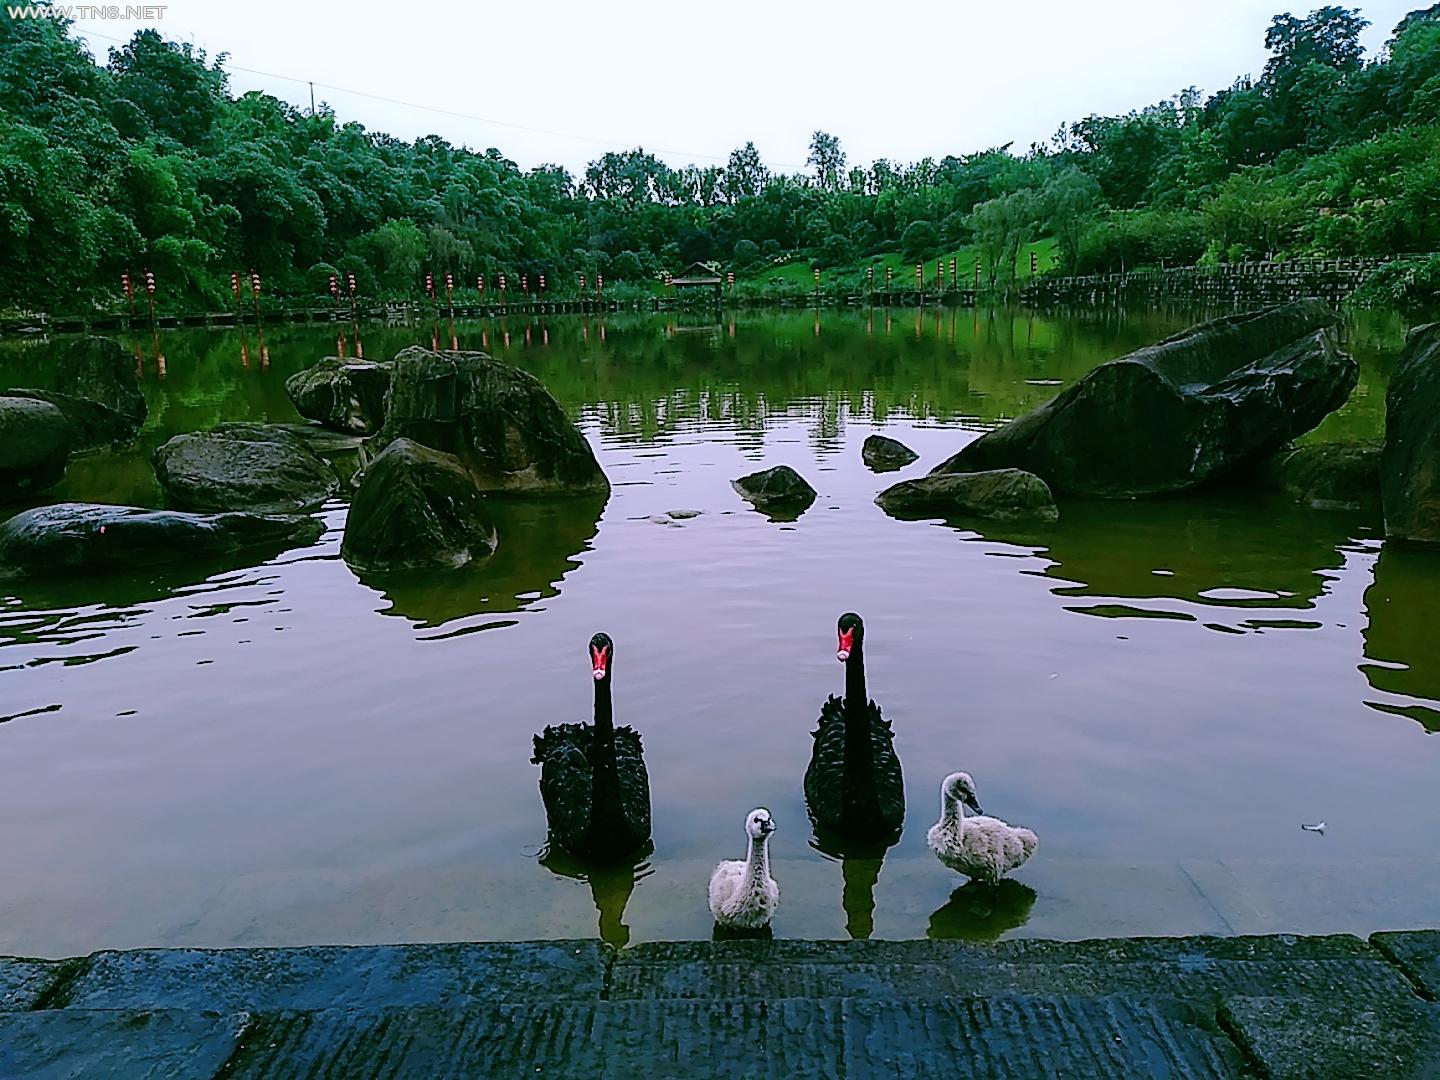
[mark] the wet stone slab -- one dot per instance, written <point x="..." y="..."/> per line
<point x="66" y="1043"/>
<point x="1338" y="1038"/>
<point x="334" y="976"/>
<point x="1202" y="969"/>
<point x="819" y="1038"/>
<point x="1418" y="954"/>
<point x="23" y="982"/>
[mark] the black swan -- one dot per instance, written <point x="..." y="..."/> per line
<point x="853" y="787"/>
<point x="593" y="778"/>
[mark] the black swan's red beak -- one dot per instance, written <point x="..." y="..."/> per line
<point x="600" y="660"/>
<point x="847" y="645"/>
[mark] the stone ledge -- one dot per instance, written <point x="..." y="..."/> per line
<point x="65" y="1043"/>
<point x="24" y="982"/>
<point x="330" y="976"/>
<point x="1417" y="953"/>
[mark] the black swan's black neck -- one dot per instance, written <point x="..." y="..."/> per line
<point x="855" y="697"/>
<point x="604" y="711"/>
<point x="858" y="757"/>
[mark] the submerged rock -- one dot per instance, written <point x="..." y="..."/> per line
<point x="97" y="369"/>
<point x="74" y="538"/>
<point x="416" y="508"/>
<point x="344" y="395"/>
<point x="1410" y="463"/>
<point x="500" y="422"/>
<point x="780" y="488"/>
<point x="1173" y="415"/>
<point x="884" y="454"/>
<point x="35" y="442"/>
<point x="93" y="426"/>
<point x="254" y="467"/>
<point x="96" y="390"/>
<point x="998" y="495"/>
<point x="1334" y="476"/>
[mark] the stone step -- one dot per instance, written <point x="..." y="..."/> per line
<point x="1202" y="969"/>
<point x="63" y="1044"/>
<point x="1007" y="1036"/>
<point x="330" y="976"/>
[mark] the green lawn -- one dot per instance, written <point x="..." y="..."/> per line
<point x="799" y="274"/>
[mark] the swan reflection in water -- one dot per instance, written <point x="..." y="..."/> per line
<point x="860" y="865"/>
<point x="610" y="887"/>
<point x="980" y="912"/>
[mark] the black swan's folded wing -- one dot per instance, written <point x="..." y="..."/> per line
<point x="634" y="780"/>
<point x="566" y="783"/>
<point x="825" y="775"/>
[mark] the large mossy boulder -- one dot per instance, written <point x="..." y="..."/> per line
<point x="416" y="508"/>
<point x="1171" y="416"/>
<point x="884" y="454"/>
<point x="777" y="489"/>
<point x="995" y="495"/>
<point x="1410" y="463"/>
<point x="255" y="467"/>
<point x="35" y="443"/>
<point x="501" y="423"/>
<point x="76" y="538"/>
<point x="1326" y="476"/>
<point x="342" y="394"/>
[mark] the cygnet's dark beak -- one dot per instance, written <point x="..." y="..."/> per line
<point x="971" y="802"/>
<point x="767" y="827"/>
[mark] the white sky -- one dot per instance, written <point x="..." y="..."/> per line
<point x="690" y="81"/>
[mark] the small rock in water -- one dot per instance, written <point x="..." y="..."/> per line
<point x="681" y="515"/>
<point x="1320" y="828"/>
<point x="885" y="454"/>
<point x="781" y="488"/>
<point x="997" y="494"/>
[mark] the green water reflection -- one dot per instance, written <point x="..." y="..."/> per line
<point x="289" y="752"/>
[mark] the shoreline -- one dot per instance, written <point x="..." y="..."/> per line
<point x="1273" y="1005"/>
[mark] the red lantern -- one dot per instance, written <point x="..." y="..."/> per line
<point x="542" y="284"/>
<point x="599" y="284"/>
<point x="149" y="283"/>
<point x="235" y="284"/>
<point x="480" y="284"/>
<point x="430" y="285"/>
<point x="582" y="283"/>
<point x="525" y="284"/>
<point x="125" y="281"/>
<point x="334" y="287"/>
<point x="502" y="282"/>
<point x="255" y="284"/>
<point x="350" y="279"/>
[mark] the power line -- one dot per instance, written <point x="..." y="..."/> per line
<point x="438" y="110"/>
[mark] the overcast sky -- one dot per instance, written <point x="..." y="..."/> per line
<point x="564" y="81"/>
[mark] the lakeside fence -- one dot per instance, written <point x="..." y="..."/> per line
<point x="1237" y="284"/>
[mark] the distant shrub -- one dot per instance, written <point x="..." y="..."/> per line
<point x="919" y="239"/>
<point x="1404" y="283"/>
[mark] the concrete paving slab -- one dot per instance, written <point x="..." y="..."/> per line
<point x="1417" y="952"/>
<point x="1010" y="1036"/>
<point x="1196" y="969"/>
<point x="582" y="1040"/>
<point x="65" y="1044"/>
<point x="22" y="982"/>
<point x="783" y="1038"/>
<point x="323" y="977"/>
<point x="1338" y="1038"/>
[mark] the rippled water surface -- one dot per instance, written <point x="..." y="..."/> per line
<point x="1165" y="691"/>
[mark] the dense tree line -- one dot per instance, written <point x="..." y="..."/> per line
<point x="148" y="161"/>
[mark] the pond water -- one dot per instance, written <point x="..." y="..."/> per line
<point x="1165" y="691"/>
